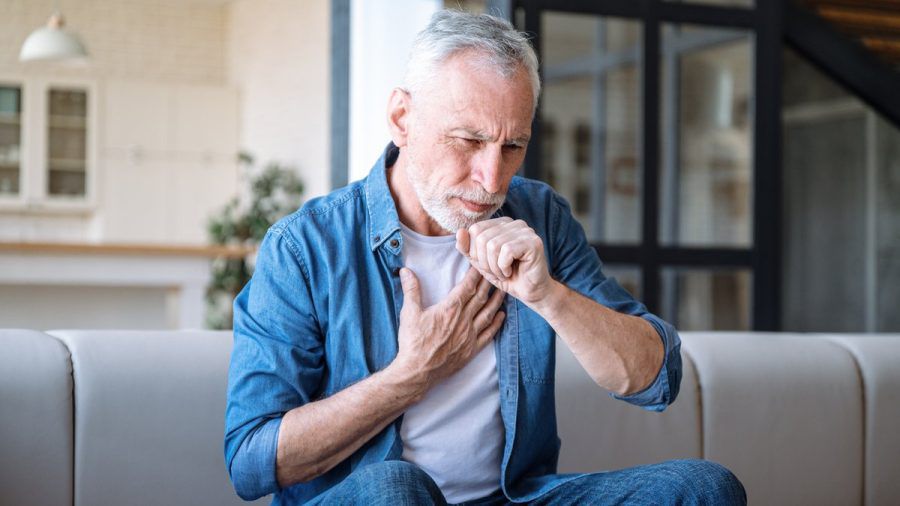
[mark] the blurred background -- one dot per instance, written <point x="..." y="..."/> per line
<point x="735" y="163"/>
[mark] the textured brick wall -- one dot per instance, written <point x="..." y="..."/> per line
<point x="156" y="40"/>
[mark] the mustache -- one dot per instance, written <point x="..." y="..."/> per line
<point x="478" y="196"/>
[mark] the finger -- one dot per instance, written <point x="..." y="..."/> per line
<point x="412" y="293"/>
<point x="486" y="335"/>
<point x="486" y="246"/>
<point x="509" y="253"/>
<point x="481" y="228"/>
<point x="486" y="312"/>
<point x="480" y="298"/>
<point x="462" y="241"/>
<point x="465" y="289"/>
<point x="483" y="225"/>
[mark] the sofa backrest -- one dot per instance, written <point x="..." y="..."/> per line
<point x="137" y="417"/>
<point x="799" y="418"/>
<point x="878" y="359"/>
<point x="601" y="433"/>
<point x="784" y="413"/>
<point x="36" y="436"/>
<point x="150" y="417"/>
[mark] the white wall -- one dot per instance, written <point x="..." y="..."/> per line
<point x="382" y="32"/>
<point x="279" y="60"/>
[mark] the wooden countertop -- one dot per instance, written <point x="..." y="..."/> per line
<point x="211" y="251"/>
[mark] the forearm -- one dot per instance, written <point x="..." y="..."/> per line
<point x="621" y="352"/>
<point x="315" y="437"/>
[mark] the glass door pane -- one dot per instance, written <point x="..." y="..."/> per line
<point x="841" y="247"/>
<point x="707" y="299"/>
<point x="706" y="183"/>
<point x="66" y="142"/>
<point x="590" y="113"/>
<point x="628" y="277"/>
<point x="10" y="139"/>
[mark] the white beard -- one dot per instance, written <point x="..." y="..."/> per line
<point x="437" y="204"/>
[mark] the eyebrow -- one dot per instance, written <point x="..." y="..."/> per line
<point x="479" y="135"/>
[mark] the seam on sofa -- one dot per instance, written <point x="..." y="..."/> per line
<point x="686" y="357"/>
<point x="865" y="406"/>
<point x="72" y="375"/>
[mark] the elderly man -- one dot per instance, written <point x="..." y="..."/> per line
<point x="396" y="342"/>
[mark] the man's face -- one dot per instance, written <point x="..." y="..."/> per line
<point x="466" y="139"/>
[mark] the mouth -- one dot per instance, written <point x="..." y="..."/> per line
<point x="476" y="207"/>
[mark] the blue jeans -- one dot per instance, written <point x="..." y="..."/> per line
<point x="682" y="482"/>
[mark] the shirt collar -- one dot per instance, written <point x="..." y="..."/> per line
<point x="383" y="218"/>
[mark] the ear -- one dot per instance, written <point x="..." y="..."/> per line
<point x="398" y="116"/>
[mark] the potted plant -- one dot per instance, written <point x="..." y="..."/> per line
<point x="270" y="194"/>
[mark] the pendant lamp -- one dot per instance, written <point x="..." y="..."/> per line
<point x="53" y="43"/>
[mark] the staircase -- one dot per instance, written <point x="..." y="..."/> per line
<point x="873" y="23"/>
<point x="855" y="42"/>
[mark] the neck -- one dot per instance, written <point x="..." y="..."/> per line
<point x="409" y="209"/>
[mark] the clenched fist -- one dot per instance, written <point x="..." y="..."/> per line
<point x="510" y="255"/>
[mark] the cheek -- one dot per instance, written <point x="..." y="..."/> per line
<point x="451" y="166"/>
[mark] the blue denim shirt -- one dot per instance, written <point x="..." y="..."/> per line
<point x="321" y="313"/>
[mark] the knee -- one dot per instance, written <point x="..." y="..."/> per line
<point x="705" y="482"/>
<point x="402" y="482"/>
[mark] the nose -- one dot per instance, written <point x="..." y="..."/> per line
<point x="488" y="168"/>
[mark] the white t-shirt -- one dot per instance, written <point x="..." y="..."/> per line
<point x="455" y="433"/>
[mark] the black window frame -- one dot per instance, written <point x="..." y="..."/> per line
<point x="763" y="257"/>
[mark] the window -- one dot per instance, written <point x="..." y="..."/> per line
<point x="652" y="113"/>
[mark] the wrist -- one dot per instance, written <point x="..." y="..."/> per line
<point x="552" y="302"/>
<point x="408" y="384"/>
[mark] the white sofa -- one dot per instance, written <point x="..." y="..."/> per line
<point x="136" y="417"/>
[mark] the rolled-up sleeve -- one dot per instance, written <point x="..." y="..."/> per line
<point x="575" y="263"/>
<point x="276" y="363"/>
<point x="664" y="388"/>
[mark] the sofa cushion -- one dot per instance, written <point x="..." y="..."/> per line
<point x="36" y="440"/>
<point x="784" y="413"/>
<point x="878" y="358"/>
<point x="149" y="417"/>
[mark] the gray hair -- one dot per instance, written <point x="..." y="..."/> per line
<point x="497" y="43"/>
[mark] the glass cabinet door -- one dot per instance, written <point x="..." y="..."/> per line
<point x="67" y="142"/>
<point x="10" y="139"/>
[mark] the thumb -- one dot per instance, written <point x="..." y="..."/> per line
<point x="412" y="294"/>
<point x="462" y="241"/>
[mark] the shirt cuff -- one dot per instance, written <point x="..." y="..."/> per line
<point x="253" y="466"/>
<point x="664" y="388"/>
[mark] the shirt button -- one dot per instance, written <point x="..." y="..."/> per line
<point x="377" y="238"/>
<point x="396" y="271"/>
<point x="394" y="243"/>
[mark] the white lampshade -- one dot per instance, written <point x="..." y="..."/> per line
<point x="52" y="42"/>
